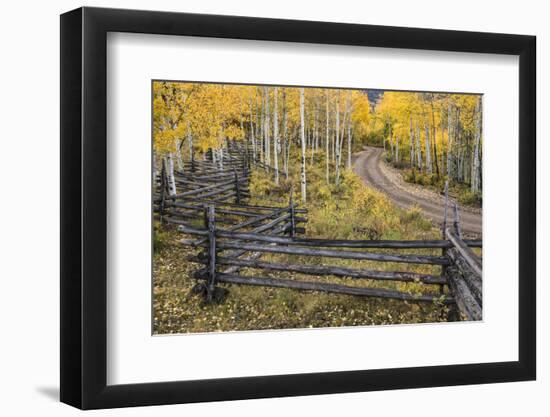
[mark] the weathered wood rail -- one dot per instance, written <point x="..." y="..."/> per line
<point x="215" y="242"/>
<point x="208" y="202"/>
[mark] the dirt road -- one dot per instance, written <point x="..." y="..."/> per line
<point x="368" y="165"/>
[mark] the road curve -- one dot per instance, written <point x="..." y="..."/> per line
<point x="368" y="165"/>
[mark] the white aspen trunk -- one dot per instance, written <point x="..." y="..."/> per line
<point x="303" y="139"/>
<point x="241" y="114"/>
<point x="179" y="160"/>
<point x="396" y="148"/>
<point x="311" y="143"/>
<point x="460" y="168"/>
<point x="190" y="142"/>
<point x="442" y="157"/>
<point x="476" y="163"/>
<point x="288" y="144"/>
<point x="463" y="168"/>
<point x="343" y="128"/>
<point x="171" y="178"/>
<point x="252" y="137"/>
<point x="262" y="131"/>
<point x="457" y="142"/>
<point x="155" y="171"/>
<point x="266" y="120"/>
<point x="275" y="136"/>
<point x="342" y="137"/>
<point x="349" y="144"/>
<point x="333" y="146"/>
<point x="337" y="140"/>
<point x="314" y="133"/>
<point x="285" y="138"/>
<point x="418" y="149"/>
<point x="390" y="139"/>
<point x="411" y="143"/>
<point x="327" y="140"/>
<point x="428" y="152"/>
<point x="316" y="130"/>
<point x="449" y="139"/>
<point x="349" y="110"/>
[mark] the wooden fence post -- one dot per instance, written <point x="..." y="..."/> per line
<point x="237" y="189"/>
<point x="292" y="211"/>
<point x="210" y="215"/>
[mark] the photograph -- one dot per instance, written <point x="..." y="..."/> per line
<point x="289" y="207"/>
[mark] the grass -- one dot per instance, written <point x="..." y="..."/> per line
<point x="347" y="211"/>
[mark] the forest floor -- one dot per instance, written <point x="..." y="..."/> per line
<point x="177" y="310"/>
<point x="369" y="165"/>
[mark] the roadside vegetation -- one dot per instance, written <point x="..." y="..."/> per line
<point x="458" y="191"/>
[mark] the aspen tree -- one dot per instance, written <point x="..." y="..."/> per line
<point x="252" y="136"/>
<point x="434" y="138"/>
<point x="396" y="148"/>
<point x="171" y="178"/>
<point x="285" y="137"/>
<point x="427" y="145"/>
<point x="449" y="137"/>
<point x="275" y="136"/>
<point x="266" y="130"/>
<point x="411" y="143"/>
<point x="303" y="140"/>
<point x="418" y="148"/>
<point x="327" y="138"/>
<point x="155" y="171"/>
<point x="349" y="130"/>
<point x="262" y="128"/>
<point x="337" y="139"/>
<point x="349" y="145"/>
<point x="476" y="163"/>
<point x="190" y="141"/>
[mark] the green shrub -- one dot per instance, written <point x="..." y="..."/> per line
<point x="410" y="176"/>
<point x="469" y="198"/>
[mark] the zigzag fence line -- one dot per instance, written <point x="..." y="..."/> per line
<point x="232" y="235"/>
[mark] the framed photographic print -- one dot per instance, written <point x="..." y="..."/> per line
<point x="258" y="208"/>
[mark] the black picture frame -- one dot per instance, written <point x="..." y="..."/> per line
<point x="84" y="207"/>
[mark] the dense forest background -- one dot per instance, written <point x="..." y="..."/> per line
<point x="433" y="137"/>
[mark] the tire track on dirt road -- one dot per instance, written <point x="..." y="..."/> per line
<point x="367" y="164"/>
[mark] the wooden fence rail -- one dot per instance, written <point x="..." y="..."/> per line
<point x="216" y="242"/>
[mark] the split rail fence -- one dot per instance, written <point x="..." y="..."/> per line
<point x="233" y="235"/>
